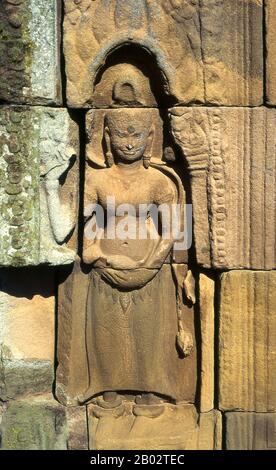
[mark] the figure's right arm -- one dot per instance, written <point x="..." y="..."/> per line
<point x="90" y="209"/>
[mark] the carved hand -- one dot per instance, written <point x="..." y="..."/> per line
<point x="189" y="287"/>
<point x="185" y="342"/>
<point x="123" y="262"/>
<point x="54" y="166"/>
<point x="57" y="171"/>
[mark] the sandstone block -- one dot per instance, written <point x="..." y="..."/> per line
<point x="250" y="431"/>
<point x="209" y="431"/>
<point x="247" y="370"/>
<point x="72" y="377"/>
<point x="27" y="310"/>
<point x="33" y="425"/>
<point x="270" y="11"/>
<point x="230" y="153"/>
<point x="179" y="427"/>
<point x="207" y="331"/>
<point x="42" y="424"/>
<point x="77" y="428"/>
<point x="193" y="65"/>
<point x="30" y="58"/>
<point x="39" y="186"/>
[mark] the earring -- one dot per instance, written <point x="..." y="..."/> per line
<point x="146" y="161"/>
<point x="109" y="159"/>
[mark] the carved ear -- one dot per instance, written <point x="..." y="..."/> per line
<point x="107" y="137"/>
<point x="108" y="156"/>
<point x="148" y="152"/>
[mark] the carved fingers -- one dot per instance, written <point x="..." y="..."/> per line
<point x="56" y="171"/>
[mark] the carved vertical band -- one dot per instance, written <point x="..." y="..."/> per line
<point x="216" y="188"/>
<point x="189" y="131"/>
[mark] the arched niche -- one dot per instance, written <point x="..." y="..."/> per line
<point x="141" y="75"/>
<point x="131" y="77"/>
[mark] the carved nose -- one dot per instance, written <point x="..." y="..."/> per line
<point x="129" y="146"/>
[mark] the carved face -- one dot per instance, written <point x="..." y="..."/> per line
<point x="129" y="134"/>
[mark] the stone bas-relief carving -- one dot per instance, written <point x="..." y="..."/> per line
<point x="136" y="358"/>
<point x="95" y="129"/>
<point x="230" y="154"/>
<point x="247" y="371"/>
<point x="128" y="333"/>
<point x="270" y="12"/>
<point x="179" y="427"/>
<point x="250" y="431"/>
<point x="188" y="39"/>
<point x="30" y="59"/>
<point x="39" y="186"/>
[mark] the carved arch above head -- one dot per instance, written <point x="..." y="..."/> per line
<point x="160" y="68"/>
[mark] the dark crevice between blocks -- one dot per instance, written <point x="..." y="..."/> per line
<point x="78" y="116"/>
<point x="216" y="338"/>
<point x="265" y="97"/>
<point x="55" y="332"/>
<point x="224" y="432"/>
<point x="62" y="58"/>
<point x="198" y="342"/>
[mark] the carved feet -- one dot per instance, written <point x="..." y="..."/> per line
<point x="111" y="404"/>
<point x="148" y="405"/>
<point x="140" y="427"/>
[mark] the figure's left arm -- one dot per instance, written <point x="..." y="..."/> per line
<point x="61" y="215"/>
<point x="164" y="198"/>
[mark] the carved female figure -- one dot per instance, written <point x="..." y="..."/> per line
<point x="134" y="333"/>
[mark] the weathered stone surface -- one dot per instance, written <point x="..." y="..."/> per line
<point x="42" y="424"/>
<point x="34" y="425"/>
<point x="125" y="286"/>
<point x="247" y="341"/>
<point x="209" y="431"/>
<point x="250" y="431"/>
<point x="77" y="428"/>
<point x="270" y="11"/>
<point x="178" y="427"/>
<point x="27" y="309"/>
<point x="95" y="124"/>
<point x="21" y="377"/>
<point x="207" y="334"/>
<point x="73" y="381"/>
<point x="29" y="54"/>
<point x="188" y="41"/>
<point x="38" y="194"/>
<point x="230" y="153"/>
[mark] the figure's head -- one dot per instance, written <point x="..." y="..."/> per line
<point x="128" y="134"/>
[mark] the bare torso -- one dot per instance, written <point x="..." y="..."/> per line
<point x="133" y="188"/>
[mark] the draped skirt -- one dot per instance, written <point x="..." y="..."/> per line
<point x="131" y="338"/>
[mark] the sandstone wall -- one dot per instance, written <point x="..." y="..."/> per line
<point x="210" y="85"/>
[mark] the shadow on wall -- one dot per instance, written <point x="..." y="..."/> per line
<point x="28" y="282"/>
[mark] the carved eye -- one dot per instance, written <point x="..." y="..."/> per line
<point x="121" y="135"/>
